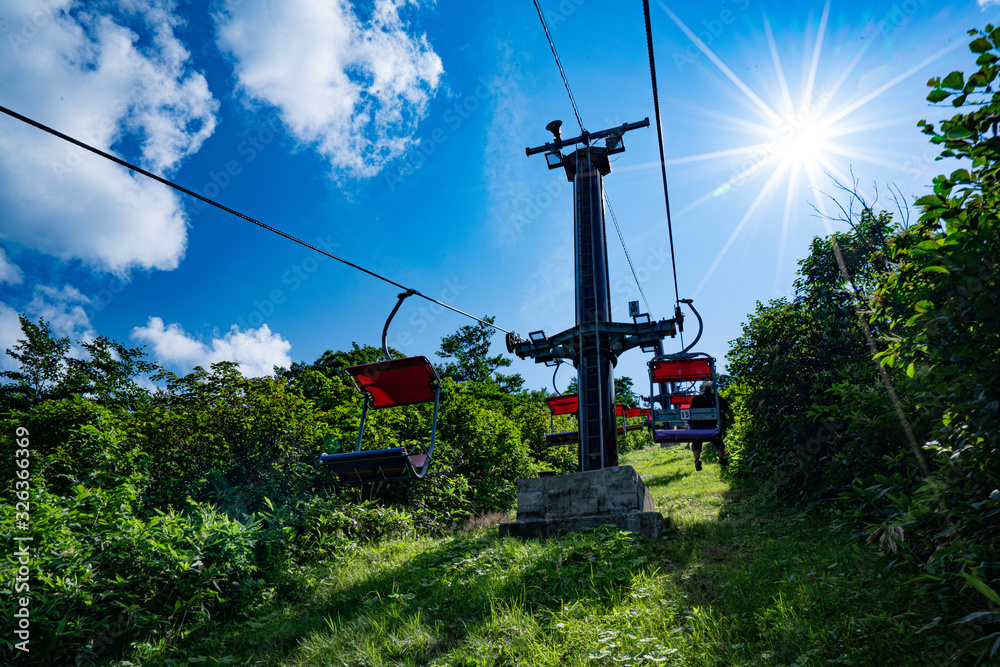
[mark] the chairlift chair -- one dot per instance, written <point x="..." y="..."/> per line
<point x="569" y="404"/>
<point x="629" y="413"/>
<point x="387" y="384"/>
<point x="679" y="374"/>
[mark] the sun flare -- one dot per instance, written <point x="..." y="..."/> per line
<point x="801" y="143"/>
<point x="794" y="139"/>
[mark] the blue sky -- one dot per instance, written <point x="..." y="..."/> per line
<point x="392" y="134"/>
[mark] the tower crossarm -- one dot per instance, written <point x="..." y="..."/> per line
<point x="615" y="338"/>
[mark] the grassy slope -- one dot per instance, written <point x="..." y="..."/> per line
<point x="734" y="582"/>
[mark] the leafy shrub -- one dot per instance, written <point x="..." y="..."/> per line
<point x="477" y="462"/>
<point x="321" y="528"/>
<point x="232" y="440"/>
<point x="96" y="565"/>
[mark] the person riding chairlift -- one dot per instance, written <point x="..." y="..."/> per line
<point x="706" y="399"/>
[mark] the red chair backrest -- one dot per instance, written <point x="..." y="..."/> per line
<point x="396" y="382"/>
<point x="637" y="412"/>
<point x="682" y="401"/>
<point x="680" y="370"/>
<point x="567" y="404"/>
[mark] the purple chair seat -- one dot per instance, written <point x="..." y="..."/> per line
<point x="685" y="435"/>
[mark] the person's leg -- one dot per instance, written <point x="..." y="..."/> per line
<point x="696" y="450"/>
<point x="720" y="449"/>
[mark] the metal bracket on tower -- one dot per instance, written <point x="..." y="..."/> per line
<point x="619" y="337"/>
<point x="613" y="144"/>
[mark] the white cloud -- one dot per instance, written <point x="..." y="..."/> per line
<point x="983" y="4"/>
<point x="120" y="83"/>
<point x="352" y="89"/>
<point x="9" y="272"/>
<point x="520" y="201"/>
<point x="63" y="310"/>
<point x="10" y="332"/>
<point x="257" y="351"/>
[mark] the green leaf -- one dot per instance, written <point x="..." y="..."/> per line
<point x="938" y="95"/>
<point x="980" y="45"/>
<point x="981" y="586"/>
<point x="955" y="80"/>
<point x="934" y="269"/>
<point x="973" y="616"/>
<point x="910" y="370"/>
<point x="960" y="175"/>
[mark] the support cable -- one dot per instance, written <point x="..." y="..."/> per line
<point x="192" y="193"/>
<point x="659" y="141"/>
<point x="562" y="73"/>
<point x="627" y="255"/>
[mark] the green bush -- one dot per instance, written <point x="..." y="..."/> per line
<point x="101" y="574"/>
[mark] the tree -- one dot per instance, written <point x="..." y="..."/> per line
<point x="43" y="366"/>
<point x="811" y="411"/>
<point x="470" y="347"/>
<point x="48" y="370"/>
<point x="948" y="329"/>
<point x="624" y="394"/>
<point x="108" y="374"/>
<point x="230" y="439"/>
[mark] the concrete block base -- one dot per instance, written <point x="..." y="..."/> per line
<point x="550" y="506"/>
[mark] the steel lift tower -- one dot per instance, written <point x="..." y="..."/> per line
<point x="595" y="343"/>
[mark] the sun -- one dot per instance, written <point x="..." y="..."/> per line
<point x="800" y="143"/>
<point x="792" y="141"/>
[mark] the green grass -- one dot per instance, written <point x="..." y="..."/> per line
<point x="735" y="581"/>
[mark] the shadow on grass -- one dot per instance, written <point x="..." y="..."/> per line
<point x="439" y="597"/>
<point x="758" y="583"/>
<point x="782" y="586"/>
<point x="663" y="480"/>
